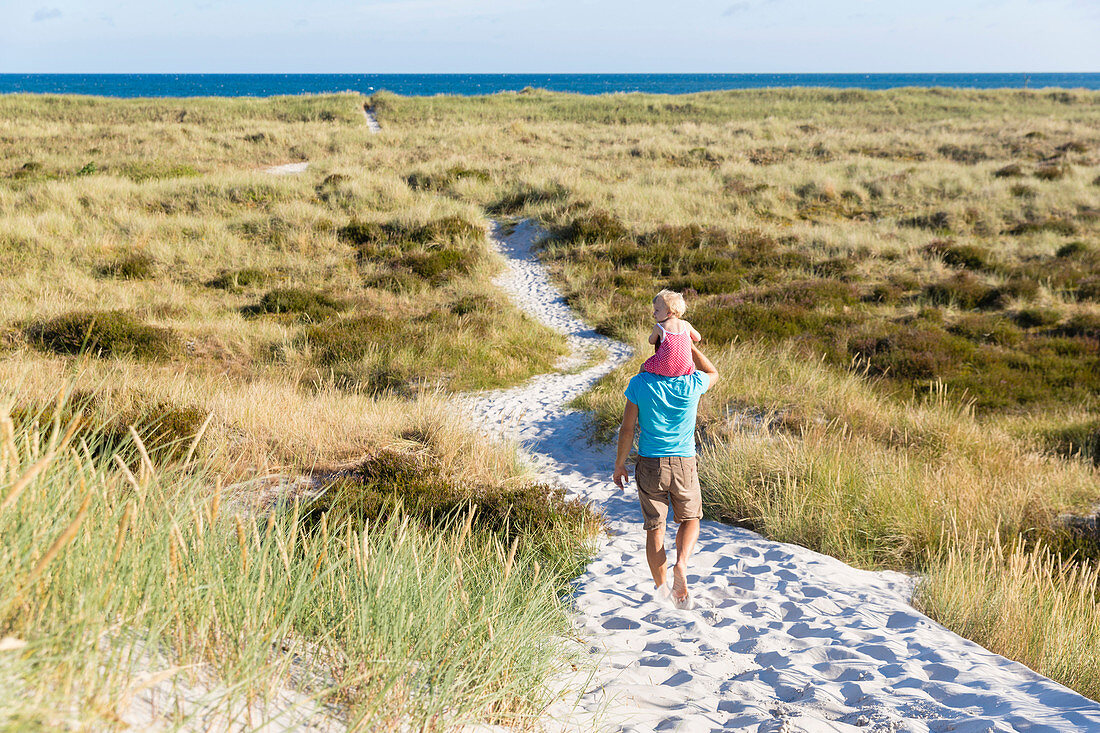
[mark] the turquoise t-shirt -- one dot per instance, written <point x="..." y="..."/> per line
<point x="666" y="412"/>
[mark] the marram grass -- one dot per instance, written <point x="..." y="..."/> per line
<point x="113" y="578"/>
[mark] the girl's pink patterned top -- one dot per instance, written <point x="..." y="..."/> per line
<point x="673" y="357"/>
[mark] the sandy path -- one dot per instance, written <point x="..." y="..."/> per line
<point x="372" y="121"/>
<point x="289" y="169"/>
<point x="781" y="639"/>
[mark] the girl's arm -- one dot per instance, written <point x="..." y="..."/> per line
<point x="695" y="335"/>
<point x="655" y="335"/>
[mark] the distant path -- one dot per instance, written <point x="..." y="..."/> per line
<point x="288" y="169"/>
<point x="782" y="638"/>
<point x="372" y="121"/>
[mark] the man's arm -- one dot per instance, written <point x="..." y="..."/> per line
<point x="626" y="441"/>
<point x="703" y="364"/>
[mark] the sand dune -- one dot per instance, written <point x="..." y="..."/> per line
<point x="780" y="639"/>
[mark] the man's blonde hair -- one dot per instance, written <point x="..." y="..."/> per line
<point x="673" y="301"/>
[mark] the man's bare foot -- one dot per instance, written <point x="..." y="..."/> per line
<point x="679" y="584"/>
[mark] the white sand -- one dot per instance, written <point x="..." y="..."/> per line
<point x="372" y="121"/>
<point x="287" y="169"/>
<point x="781" y="639"/>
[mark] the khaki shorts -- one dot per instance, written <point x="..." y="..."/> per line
<point x="668" y="479"/>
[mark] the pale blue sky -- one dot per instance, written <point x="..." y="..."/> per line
<point x="380" y="36"/>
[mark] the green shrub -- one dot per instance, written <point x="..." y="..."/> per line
<point x="1071" y="249"/>
<point x="166" y="429"/>
<point x="1012" y="170"/>
<point x="307" y="304"/>
<point x="725" y="320"/>
<point x="395" y="280"/>
<point x="473" y="304"/>
<point x="1088" y="289"/>
<point x="596" y="226"/>
<point x="439" y="265"/>
<point x="1085" y="325"/>
<point x="809" y="294"/>
<point x="350" y="339"/>
<point x="913" y="353"/>
<point x="1065" y="227"/>
<point x="88" y="169"/>
<point x="134" y="266"/>
<point x="935" y="221"/>
<point x="140" y="171"/>
<point x="1053" y="172"/>
<point x="390" y="482"/>
<point x="959" y="154"/>
<point x="988" y="329"/>
<point x="963" y="290"/>
<point x="525" y="195"/>
<point x="371" y="237"/>
<point x="964" y="255"/>
<point x="884" y="293"/>
<point x="1021" y="191"/>
<point x="1077" y="439"/>
<point x="838" y="267"/>
<point x="444" y="179"/>
<point x="237" y="279"/>
<point x="1034" y="317"/>
<point x="102" y="333"/>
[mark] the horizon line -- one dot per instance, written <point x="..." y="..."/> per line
<point x="526" y="73"/>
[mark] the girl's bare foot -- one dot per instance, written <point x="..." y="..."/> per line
<point x="679" y="584"/>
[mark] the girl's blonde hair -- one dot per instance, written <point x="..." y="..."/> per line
<point x="673" y="301"/>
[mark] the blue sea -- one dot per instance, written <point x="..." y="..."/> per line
<point x="266" y="85"/>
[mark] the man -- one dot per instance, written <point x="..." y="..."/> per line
<point x="664" y="410"/>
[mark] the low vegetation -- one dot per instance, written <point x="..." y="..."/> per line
<point x="255" y="612"/>
<point x="902" y="290"/>
<point x="898" y="287"/>
<point x="219" y="327"/>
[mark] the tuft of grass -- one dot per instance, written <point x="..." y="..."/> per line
<point x="140" y="171"/>
<point x="102" y="333"/>
<point x="1012" y="170"/>
<point x="1077" y="439"/>
<point x="391" y="483"/>
<point x="372" y="626"/>
<point x="372" y="237"/>
<point x="594" y="226"/>
<point x="442" y="180"/>
<point x="1036" y="317"/>
<point x="1053" y="172"/>
<point x="935" y="221"/>
<point x="962" y="154"/>
<point x="970" y="257"/>
<point x="134" y="266"/>
<point x="520" y="197"/>
<point x="1056" y="225"/>
<point x="233" y="280"/>
<point x="306" y="304"/>
<point x="1027" y="604"/>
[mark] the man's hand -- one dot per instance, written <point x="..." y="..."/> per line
<point x="703" y="364"/>
<point x="621" y="477"/>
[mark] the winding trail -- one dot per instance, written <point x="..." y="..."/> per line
<point x="781" y="638"/>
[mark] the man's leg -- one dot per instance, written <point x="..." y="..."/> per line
<point x="687" y="534"/>
<point x="655" y="554"/>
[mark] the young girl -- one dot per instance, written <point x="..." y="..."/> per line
<point x="671" y="336"/>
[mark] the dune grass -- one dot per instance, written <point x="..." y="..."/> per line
<point x="381" y="621"/>
<point x="899" y="288"/>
